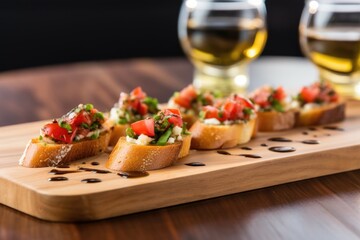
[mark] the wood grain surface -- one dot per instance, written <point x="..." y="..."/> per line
<point x="320" y="208"/>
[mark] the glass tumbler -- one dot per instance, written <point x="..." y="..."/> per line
<point x="330" y="38"/>
<point x="220" y="38"/>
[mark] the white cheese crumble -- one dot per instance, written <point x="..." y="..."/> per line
<point x="212" y="121"/>
<point x="310" y="106"/>
<point x="171" y="140"/>
<point x="115" y="114"/>
<point x="142" y="140"/>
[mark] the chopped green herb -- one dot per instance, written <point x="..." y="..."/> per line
<point x="122" y="120"/>
<point x="202" y="115"/>
<point x="65" y="125"/>
<point x="84" y="125"/>
<point x="40" y="137"/>
<point x="98" y="116"/>
<point x="277" y="106"/>
<point x="130" y="132"/>
<point x="247" y="111"/>
<point x="95" y="135"/>
<point x="152" y="104"/>
<point x="88" y="107"/>
<point x="164" y="138"/>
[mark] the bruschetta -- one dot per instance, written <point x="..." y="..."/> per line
<point x="190" y="101"/>
<point x="319" y="104"/>
<point x="226" y="125"/>
<point x="152" y="143"/>
<point x="79" y="134"/>
<point x="273" y="109"/>
<point x="130" y="108"/>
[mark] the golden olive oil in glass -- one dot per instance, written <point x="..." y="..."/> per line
<point x="330" y="38"/>
<point x="220" y="38"/>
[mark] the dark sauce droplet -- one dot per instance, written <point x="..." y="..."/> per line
<point x="94" y="170"/>
<point x="335" y="128"/>
<point x="310" y="142"/>
<point x="83" y="163"/>
<point x="95" y="163"/>
<point x="263" y="145"/>
<point x="57" y="179"/>
<point x="62" y="172"/>
<point x="63" y="166"/>
<point x="223" y="152"/>
<point x="246" y="148"/>
<point x="91" y="180"/>
<point x="305" y="133"/>
<point x="312" y="128"/>
<point x="196" y="164"/>
<point x="133" y="174"/>
<point x="279" y="139"/>
<point x="249" y="155"/>
<point x="282" y="149"/>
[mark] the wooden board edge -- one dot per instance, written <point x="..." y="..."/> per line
<point x="177" y="191"/>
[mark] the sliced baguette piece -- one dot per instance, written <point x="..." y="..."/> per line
<point x="119" y="130"/>
<point x="276" y="121"/>
<point x="132" y="157"/>
<point x="190" y="119"/>
<point x="208" y="137"/>
<point x="41" y="154"/>
<point x="330" y="113"/>
<point x="185" y="147"/>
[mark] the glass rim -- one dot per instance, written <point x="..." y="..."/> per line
<point x="224" y="5"/>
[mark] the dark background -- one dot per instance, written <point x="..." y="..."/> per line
<point x="46" y="32"/>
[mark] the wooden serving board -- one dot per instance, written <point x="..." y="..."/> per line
<point x="28" y="190"/>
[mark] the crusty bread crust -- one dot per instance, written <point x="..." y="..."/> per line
<point x="185" y="147"/>
<point x="132" y="157"/>
<point x="206" y="136"/>
<point x="276" y="121"/>
<point x="189" y="119"/>
<point x="327" y="114"/>
<point x="40" y="154"/>
<point x="119" y="130"/>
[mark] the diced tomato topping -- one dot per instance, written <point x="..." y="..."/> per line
<point x="81" y="117"/>
<point x="143" y="109"/>
<point x="175" y="116"/>
<point x="172" y="110"/>
<point x="213" y="112"/>
<point x="244" y="102"/>
<point x="279" y="94"/>
<point x="309" y="94"/>
<point x="146" y="127"/>
<point x="53" y="130"/>
<point x="186" y="96"/>
<point x="138" y="93"/>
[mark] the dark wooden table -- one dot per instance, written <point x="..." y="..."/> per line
<point x="320" y="208"/>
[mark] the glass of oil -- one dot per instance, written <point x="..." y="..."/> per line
<point x="330" y="38"/>
<point x="221" y="37"/>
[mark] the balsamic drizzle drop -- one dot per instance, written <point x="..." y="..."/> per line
<point x="57" y="179"/>
<point x="133" y="174"/>
<point x="62" y="172"/>
<point x="246" y="148"/>
<point x="279" y="139"/>
<point x="223" y="152"/>
<point x="195" y="164"/>
<point x="91" y="180"/>
<point x="282" y="149"/>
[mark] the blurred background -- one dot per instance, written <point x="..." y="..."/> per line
<point x="43" y="32"/>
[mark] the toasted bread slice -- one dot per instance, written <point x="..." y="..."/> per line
<point x="276" y="121"/>
<point x="132" y="157"/>
<point x="206" y="136"/>
<point x="330" y="113"/>
<point x="185" y="147"/>
<point x="41" y="154"/>
<point x="190" y="119"/>
<point x="119" y="130"/>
